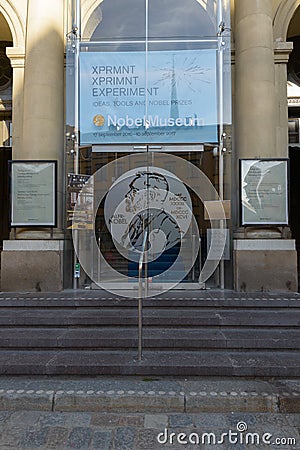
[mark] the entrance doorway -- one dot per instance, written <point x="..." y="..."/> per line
<point x="5" y="156"/>
<point x="294" y="155"/>
<point x="194" y="239"/>
<point x="138" y="79"/>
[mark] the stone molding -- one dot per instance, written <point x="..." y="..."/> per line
<point x="282" y="51"/>
<point x="16" y="56"/>
<point x="14" y="21"/>
<point x="283" y="17"/>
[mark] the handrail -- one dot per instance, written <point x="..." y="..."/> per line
<point x="143" y="252"/>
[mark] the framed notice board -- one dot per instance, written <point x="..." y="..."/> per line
<point x="33" y="193"/>
<point x="264" y="191"/>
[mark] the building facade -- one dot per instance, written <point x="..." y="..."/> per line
<point x="249" y="160"/>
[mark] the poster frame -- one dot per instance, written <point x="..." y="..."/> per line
<point x="145" y="137"/>
<point x="270" y="223"/>
<point x="52" y="188"/>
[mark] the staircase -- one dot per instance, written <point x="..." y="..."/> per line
<point x="185" y="333"/>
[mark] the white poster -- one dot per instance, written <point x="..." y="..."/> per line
<point x="264" y="192"/>
<point x="33" y="193"/>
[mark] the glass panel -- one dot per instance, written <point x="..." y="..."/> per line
<point x="181" y="19"/>
<point x="182" y="36"/>
<point x="118" y="19"/>
<point x="183" y="44"/>
<point x="113" y="46"/>
<point x="125" y="19"/>
<point x="70" y="160"/>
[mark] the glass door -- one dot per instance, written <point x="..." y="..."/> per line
<point x="150" y="211"/>
<point x="152" y="197"/>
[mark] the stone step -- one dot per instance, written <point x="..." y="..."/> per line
<point x="196" y="300"/>
<point x="153" y="338"/>
<point x="200" y="333"/>
<point x="168" y="363"/>
<point x="181" y="317"/>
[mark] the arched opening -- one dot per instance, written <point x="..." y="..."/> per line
<point x="294" y="64"/>
<point x="294" y="127"/>
<point x="11" y="36"/>
<point x="166" y="18"/>
<point x="5" y="123"/>
<point x="5" y="83"/>
<point x="6" y="40"/>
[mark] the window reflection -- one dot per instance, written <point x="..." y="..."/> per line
<point x="121" y="19"/>
<point x="126" y="19"/>
<point x="177" y="18"/>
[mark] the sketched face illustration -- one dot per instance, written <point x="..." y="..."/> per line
<point x="251" y="189"/>
<point x="149" y="189"/>
<point x="144" y="188"/>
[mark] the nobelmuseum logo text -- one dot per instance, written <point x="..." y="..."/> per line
<point x="153" y="121"/>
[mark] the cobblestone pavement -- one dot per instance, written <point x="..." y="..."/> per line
<point x="121" y="413"/>
<point x="109" y="431"/>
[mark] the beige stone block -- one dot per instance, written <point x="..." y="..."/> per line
<point x="254" y="32"/>
<point x="253" y="64"/>
<point x="227" y="405"/>
<point x="26" y="402"/>
<point x="289" y="405"/>
<point x="265" y="270"/>
<point x="246" y="8"/>
<point x="118" y="403"/>
<point x="31" y="271"/>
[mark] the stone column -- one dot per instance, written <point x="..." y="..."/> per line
<point x="263" y="260"/>
<point x="34" y="260"/>
<point x="17" y="57"/>
<point x="255" y="79"/>
<point x="44" y="81"/>
<point x="254" y="96"/>
<point x="43" y="124"/>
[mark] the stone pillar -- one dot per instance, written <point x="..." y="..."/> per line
<point x="44" y="81"/>
<point x="34" y="260"/>
<point x="43" y="124"/>
<point x="255" y="79"/>
<point x="282" y="53"/>
<point x="17" y="57"/>
<point x="261" y="262"/>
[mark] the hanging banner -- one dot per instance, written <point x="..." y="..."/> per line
<point x="157" y="97"/>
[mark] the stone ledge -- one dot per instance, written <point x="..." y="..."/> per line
<point x="264" y="244"/>
<point x="96" y="396"/>
<point x="33" y="245"/>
